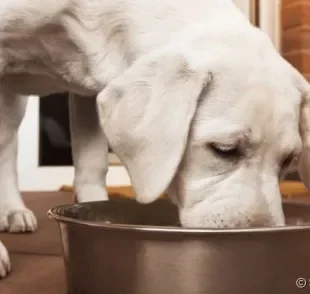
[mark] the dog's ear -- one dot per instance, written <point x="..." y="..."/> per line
<point x="146" y="115"/>
<point x="304" y="126"/>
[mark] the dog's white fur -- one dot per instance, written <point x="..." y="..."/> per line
<point x="179" y="81"/>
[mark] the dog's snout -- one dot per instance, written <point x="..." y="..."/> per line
<point x="229" y="214"/>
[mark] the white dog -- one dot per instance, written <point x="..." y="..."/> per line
<point x="193" y="99"/>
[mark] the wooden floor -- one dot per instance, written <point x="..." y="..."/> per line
<point x="36" y="258"/>
<point x="37" y="266"/>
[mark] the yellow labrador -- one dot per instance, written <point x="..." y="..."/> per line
<point x="193" y="99"/>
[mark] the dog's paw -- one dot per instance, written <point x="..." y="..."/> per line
<point x="18" y="221"/>
<point x="5" y="265"/>
<point x="90" y="193"/>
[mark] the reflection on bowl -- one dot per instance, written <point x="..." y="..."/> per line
<point x="123" y="247"/>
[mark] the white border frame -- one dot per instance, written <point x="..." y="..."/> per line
<point x="245" y="6"/>
<point x="270" y="20"/>
<point x="32" y="177"/>
<point x="269" y="17"/>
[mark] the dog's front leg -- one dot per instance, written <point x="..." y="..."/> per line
<point x="89" y="150"/>
<point x="14" y="216"/>
<point x="5" y="265"/>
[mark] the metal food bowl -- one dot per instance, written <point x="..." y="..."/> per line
<point x="123" y="247"/>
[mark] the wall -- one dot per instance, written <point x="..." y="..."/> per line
<point x="296" y="34"/>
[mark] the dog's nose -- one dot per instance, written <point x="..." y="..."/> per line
<point x="229" y="215"/>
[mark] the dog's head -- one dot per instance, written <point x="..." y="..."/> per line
<point x="215" y="120"/>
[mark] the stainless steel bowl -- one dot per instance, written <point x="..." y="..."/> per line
<point x="122" y="247"/>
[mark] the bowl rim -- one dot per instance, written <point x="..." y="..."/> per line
<point x="177" y="230"/>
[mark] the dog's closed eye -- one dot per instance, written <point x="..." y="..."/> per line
<point x="226" y="151"/>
